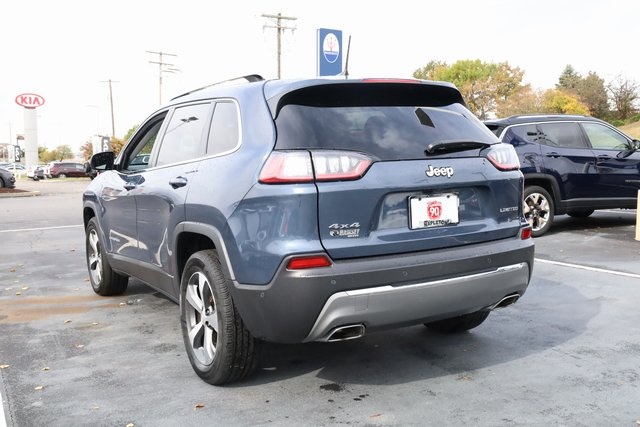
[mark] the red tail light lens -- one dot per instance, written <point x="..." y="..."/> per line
<point x="525" y="233"/>
<point x="289" y="167"/>
<point x="304" y="263"/>
<point x="502" y="156"/>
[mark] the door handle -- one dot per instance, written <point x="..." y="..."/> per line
<point x="553" y="154"/>
<point x="178" y="181"/>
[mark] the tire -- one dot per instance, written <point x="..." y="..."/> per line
<point x="580" y="213"/>
<point x="538" y="209"/>
<point x="456" y="325"/>
<point x="104" y="280"/>
<point x="2" y="184"/>
<point x="220" y="348"/>
<point x="62" y="175"/>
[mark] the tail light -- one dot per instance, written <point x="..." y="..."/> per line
<point x="525" y="233"/>
<point x="302" y="166"/>
<point x="502" y="156"/>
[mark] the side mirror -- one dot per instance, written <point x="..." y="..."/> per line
<point x="635" y="144"/>
<point x="102" y="161"/>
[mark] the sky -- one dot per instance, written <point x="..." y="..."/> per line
<point x="67" y="51"/>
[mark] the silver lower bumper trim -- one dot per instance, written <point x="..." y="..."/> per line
<point x="390" y="305"/>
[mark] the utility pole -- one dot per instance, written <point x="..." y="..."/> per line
<point x="277" y="24"/>
<point x="162" y="69"/>
<point x="113" y="126"/>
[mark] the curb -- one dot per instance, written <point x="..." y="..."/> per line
<point x="22" y="194"/>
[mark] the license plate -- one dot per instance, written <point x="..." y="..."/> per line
<point x="436" y="211"/>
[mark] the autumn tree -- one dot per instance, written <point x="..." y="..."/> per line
<point x="87" y="150"/>
<point x="483" y="85"/>
<point x="116" y="144"/>
<point x="624" y="93"/>
<point x="561" y="102"/>
<point x="525" y="100"/>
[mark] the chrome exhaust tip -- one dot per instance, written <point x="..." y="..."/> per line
<point x="344" y="333"/>
<point x="508" y="300"/>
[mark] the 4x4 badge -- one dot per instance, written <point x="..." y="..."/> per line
<point x="442" y="171"/>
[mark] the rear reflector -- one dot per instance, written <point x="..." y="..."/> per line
<point x="525" y="233"/>
<point x="303" y="263"/>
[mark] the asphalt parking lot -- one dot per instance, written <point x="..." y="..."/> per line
<point x="566" y="354"/>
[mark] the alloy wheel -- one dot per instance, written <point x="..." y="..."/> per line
<point x="201" y="316"/>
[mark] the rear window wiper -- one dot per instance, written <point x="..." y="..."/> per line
<point x="453" y="146"/>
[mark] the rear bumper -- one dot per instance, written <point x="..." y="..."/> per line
<point x="386" y="291"/>
<point x="391" y="305"/>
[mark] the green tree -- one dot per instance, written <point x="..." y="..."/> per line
<point x="63" y="152"/>
<point x="592" y="93"/>
<point x="43" y="154"/>
<point x="562" y="102"/>
<point x="482" y="84"/>
<point x="590" y="90"/>
<point x="569" y="79"/>
<point x="130" y="132"/>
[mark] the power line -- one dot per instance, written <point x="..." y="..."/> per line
<point x="279" y="27"/>
<point x="163" y="67"/>
<point x="113" y="125"/>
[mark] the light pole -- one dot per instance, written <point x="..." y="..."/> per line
<point x="163" y="67"/>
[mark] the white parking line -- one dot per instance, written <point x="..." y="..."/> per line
<point x="619" y="211"/>
<point x="16" y="230"/>
<point x="584" y="267"/>
<point x="3" y="421"/>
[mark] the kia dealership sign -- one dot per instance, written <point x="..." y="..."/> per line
<point x="29" y="100"/>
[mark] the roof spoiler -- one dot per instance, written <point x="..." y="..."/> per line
<point x="249" y="78"/>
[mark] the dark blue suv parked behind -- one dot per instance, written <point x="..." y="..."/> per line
<point x="310" y="210"/>
<point x="571" y="165"/>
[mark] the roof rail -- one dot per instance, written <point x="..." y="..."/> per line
<point x="249" y="78"/>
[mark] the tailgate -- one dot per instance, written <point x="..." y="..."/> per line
<point x="398" y="208"/>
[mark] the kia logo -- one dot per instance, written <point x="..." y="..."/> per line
<point x="29" y="100"/>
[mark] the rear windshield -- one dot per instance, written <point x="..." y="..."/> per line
<point x="385" y="132"/>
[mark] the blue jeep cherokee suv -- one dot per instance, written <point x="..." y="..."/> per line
<point x="310" y="210"/>
<point x="571" y="165"/>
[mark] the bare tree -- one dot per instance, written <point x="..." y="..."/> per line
<point x="624" y="93"/>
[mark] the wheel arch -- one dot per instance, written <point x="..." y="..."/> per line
<point x="548" y="184"/>
<point x="192" y="237"/>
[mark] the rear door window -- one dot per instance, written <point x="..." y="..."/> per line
<point x="521" y="135"/>
<point x="566" y="135"/>
<point x="224" y="134"/>
<point x="184" y="137"/>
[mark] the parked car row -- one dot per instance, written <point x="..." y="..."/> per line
<point x="571" y="164"/>
<point x="50" y="170"/>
